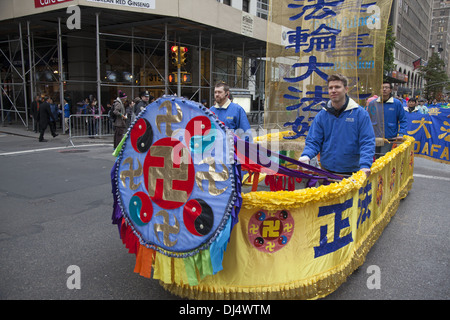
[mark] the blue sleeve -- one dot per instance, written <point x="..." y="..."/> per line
<point x="314" y="139"/>
<point x="366" y="141"/>
<point x="402" y="119"/>
<point x="244" y="125"/>
<point x="243" y="121"/>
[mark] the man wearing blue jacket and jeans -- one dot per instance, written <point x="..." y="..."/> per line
<point x="342" y="133"/>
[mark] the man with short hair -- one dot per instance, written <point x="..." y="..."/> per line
<point x="231" y="114"/>
<point x="144" y="97"/>
<point x="341" y="132"/>
<point x="393" y="124"/>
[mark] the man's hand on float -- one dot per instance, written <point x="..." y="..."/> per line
<point x="399" y="139"/>
<point x="303" y="159"/>
<point x="366" y="171"/>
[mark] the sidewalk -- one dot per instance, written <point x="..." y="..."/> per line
<point x="18" y="129"/>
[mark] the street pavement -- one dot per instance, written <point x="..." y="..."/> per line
<point x="56" y="207"/>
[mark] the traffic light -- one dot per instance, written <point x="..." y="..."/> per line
<point x="186" y="78"/>
<point x="183" y="55"/>
<point x="173" y="78"/>
<point x="174" y="55"/>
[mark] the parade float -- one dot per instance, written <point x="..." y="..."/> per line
<point x="180" y="208"/>
<point x="214" y="216"/>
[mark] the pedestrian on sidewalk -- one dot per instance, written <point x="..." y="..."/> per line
<point x="55" y="112"/>
<point x="66" y="116"/>
<point x="120" y="122"/>
<point x="44" y="117"/>
<point x="35" y="111"/>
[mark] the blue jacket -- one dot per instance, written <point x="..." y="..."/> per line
<point x="393" y="115"/>
<point x="346" y="143"/>
<point x="232" y="115"/>
<point x="422" y="109"/>
<point x="66" y="110"/>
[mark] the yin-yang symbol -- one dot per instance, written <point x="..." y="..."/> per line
<point x="198" y="217"/>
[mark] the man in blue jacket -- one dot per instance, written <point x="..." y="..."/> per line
<point x="393" y="124"/>
<point x="231" y="114"/>
<point x="342" y="133"/>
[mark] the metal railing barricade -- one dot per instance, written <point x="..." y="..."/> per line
<point x="89" y="126"/>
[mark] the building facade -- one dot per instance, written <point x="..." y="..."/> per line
<point x="259" y="8"/>
<point x="85" y="48"/>
<point x="440" y="31"/>
<point x="411" y="22"/>
<point x="94" y="48"/>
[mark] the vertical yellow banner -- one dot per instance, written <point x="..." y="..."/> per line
<point x="308" y="40"/>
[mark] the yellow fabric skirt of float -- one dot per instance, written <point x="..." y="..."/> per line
<point x="301" y="244"/>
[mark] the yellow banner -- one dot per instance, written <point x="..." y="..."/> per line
<point x="302" y="244"/>
<point x="310" y="40"/>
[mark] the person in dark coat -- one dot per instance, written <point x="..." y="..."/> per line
<point x="35" y="111"/>
<point x="120" y="124"/>
<point x="44" y="116"/>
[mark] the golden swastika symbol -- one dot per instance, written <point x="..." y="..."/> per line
<point x="271" y="229"/>
<point x="288" y="227"/>
<point x="131" y="174"/>
<point x="168" y="174"/>
<point x="212" y="176"/>
<point x="166" y="229"/>
<point x="169" y="118"/>
<point x="254" y="229"/>
<point x="270" y="246"/>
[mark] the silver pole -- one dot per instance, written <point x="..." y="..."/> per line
<point x="60" y="70"/>
<point x="24" y="81"/>
<point x="30" y="61"/>
<point x="211" y="84"/>
<point x="132" y="63"/>
<point x="200" y="67"/>
<point x="99" y="82"/>
<point x="1" y="100"/>
<point x="166" y="61"/>
<point x="13" y="88"/>
<point x="243" y="65"/>
<point x="179" y="72"/>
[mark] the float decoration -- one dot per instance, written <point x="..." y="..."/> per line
<point x="166" y="163"/>
<point x="179" y="208"/>
<point x="177" y="186"/>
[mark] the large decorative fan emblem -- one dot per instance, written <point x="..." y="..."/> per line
<point x="175" y="177"/>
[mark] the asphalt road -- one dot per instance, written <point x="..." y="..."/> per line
<point x="56" y="207"/>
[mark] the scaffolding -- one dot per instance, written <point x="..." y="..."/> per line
<point x="102" y="58"/>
